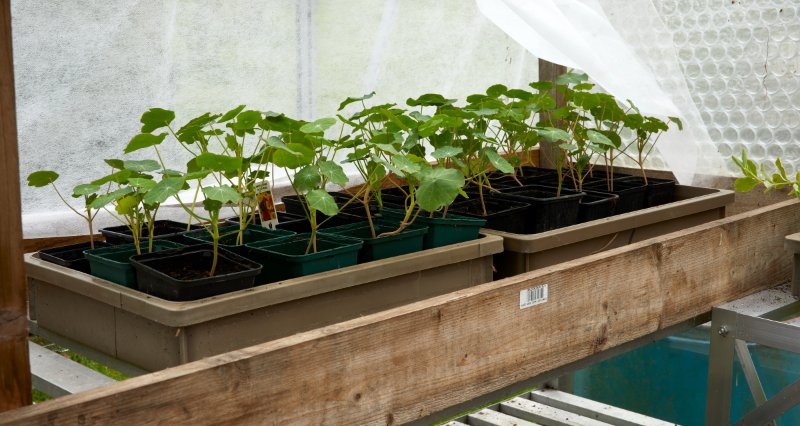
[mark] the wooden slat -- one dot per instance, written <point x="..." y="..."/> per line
<point x="57" y="375"/>
<point x="403" y="364"/>
<point x="593" y="409"/>
<point x="15" y="378"/>
<point x="536" y="412"/>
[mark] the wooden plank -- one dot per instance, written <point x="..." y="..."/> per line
<point x="536" y="412"/>
<point x="56" y="375"/>
<point x="15" y="378"/>
<point x="403" y="364"/>
<point x="36" y="244"/>
<point x="487" y="417"/>
<point x="593" y="409"/>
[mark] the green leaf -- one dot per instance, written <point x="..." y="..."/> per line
<point x="498" y="162"/>
<point x="320" y="200"/>
<point x="117" y="177"/>
<point x="141" y="165"/>
<point x="779" y="165"/>
<point x="114" y="163"/>
<point x="439" y="188"/>
<point x="85" y="189"/>
<point x="333" y="172"/>
<point x="496" y="91"/>
<point x="156" y="118"/>
<point x="745" y="184"/>
<point x="231" y="114"/>
<point x="307" y="178"/>
<point x="217" y="162"/>
<point x="198" y="174"/>
<point x="143" y="184"/>
<point x="144" y="140"/>
<point x="168" y="187"/>
<point x="127" y="205"/>
<point x="599" y="138"/>
<point x="405" y="164"/>
<point x="446" y="151"/>
<point x="318" y="126"/>
<point x="42" y="178"/>
<point x="553" y="134"/>
<point x="111" y="196"/>
<point x="350" y="100"/>
<point x="246" y="121"/>
<point x="571" y="78"/>
<point x="430" y="99"/>
<point x="223" y="194"/>
<point x="294" y="156"/>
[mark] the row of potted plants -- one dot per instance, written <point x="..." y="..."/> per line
<point x="404" y="197"/>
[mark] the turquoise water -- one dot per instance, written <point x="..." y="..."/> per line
<point x="668" y="379"/>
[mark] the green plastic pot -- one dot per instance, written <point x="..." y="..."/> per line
<point x="229" y="234"/>
<point x="288" y="259"/>
<point x="410" y="240"/>
<point x="442" y="231"/>
<point x="113" y="263"/>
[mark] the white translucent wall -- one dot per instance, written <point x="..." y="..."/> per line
<point x="85" y="71"/>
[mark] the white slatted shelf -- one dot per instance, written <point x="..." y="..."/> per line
<point x="56" y="375"/>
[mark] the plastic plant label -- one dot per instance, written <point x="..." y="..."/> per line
<point x="266" y="206"/>
<point x="533" y="296"/>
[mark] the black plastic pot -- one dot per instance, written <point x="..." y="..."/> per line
<point x="286" y="221"/>
<point x="547" y="211"/>
<point x="163" y="274"/>
<point x="502" y="215"/>
<point x="631" y="194"/>
<point x="164" y="230"/>
<point x="71" y="256"/>
<point x="294" y="206"/>
<point x="596" y="205"/>
<point x="410" y="240"/>
<point x="230" y="233"/>
<point x="659" y="191"/>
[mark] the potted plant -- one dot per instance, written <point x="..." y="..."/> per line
<point x="71" y="255"/>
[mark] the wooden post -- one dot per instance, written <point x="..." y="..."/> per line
<point x="15" y="373"/>
<point x="549" y="71"/>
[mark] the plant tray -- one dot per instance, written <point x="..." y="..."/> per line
<point x="151" y="334"/>
<point x="692" y="206"/>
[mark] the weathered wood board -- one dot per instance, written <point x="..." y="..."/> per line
<point x="402" y="364"/>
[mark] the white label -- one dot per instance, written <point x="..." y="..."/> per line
<point x="533" y="296"/>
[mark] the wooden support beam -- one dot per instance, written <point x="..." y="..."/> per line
<point x="15" y="377"/>
<point x="549" y="71"/>
<point x="406" y="363"/>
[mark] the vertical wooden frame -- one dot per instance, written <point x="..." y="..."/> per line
<point x="15" y="377"/>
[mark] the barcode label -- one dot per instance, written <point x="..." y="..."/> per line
<point x="533" y="296"/>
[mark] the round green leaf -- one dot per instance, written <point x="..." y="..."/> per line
<point x="217" y="162"/>
<point x="223" y="194"/>
<point x="294" y="156"/>
<point x="102" y="200"/>
<point x="439" y="187"/>
<point x="318" y="126"/>
<point x="85" y="189"/>
<point x="307" y="178"/>
<point x="144" y="140"/>
<point x="168" y="187"/>
<point x="333" y="172"/>
<point x="553" y="134"/>
<point x="42" y="178"/>
<point x="498" y="161"/>
<point x="320" y="200"/>
<point x="156" y="118"/>
<point x="141" y="165"/>
<point x="231" y="114"/>
<point x="446" y="151"/>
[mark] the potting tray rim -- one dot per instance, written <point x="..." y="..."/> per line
<point x="689" y="200"/>
<point x="180" y="314"/>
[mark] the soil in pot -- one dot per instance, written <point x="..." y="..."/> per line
<point x="113" y="263"/>
<point x="547" y="211"/>
<point x="71" y="256"/>
<point x="164" y="230"/>
<point x="442" y="231"/>
<point x="291" y="259"/>
<point x="502" y="215"/>
<point x="182" y="274"/>
<point x="410" y="240"/>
